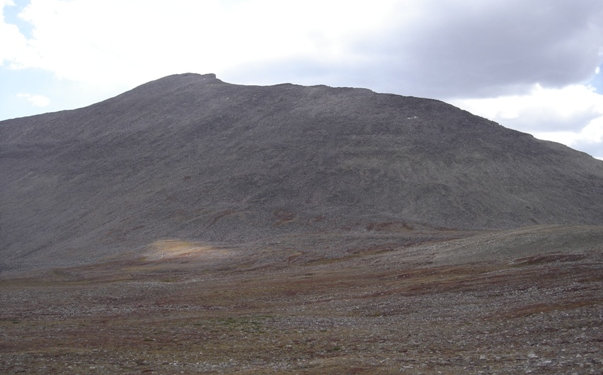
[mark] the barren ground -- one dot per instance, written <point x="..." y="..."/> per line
<point x="367" y="306"/>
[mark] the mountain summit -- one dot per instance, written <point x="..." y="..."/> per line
<point x="190" y="156"/>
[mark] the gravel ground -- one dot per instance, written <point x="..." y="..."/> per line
<point x="389" y="312"/>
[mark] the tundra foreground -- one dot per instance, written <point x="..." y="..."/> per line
<point x="504" y="302"/>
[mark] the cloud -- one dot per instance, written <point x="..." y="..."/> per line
<point x="572" y="115"/>
<point x="552" y="109"/>
<point x="452" y="49"/>
<point x="588" y="139"/>
<point x="12" y="41"/>
<point x="35" y="100"/>
<point x="489" y="48"/>
<point x="111" y="42"/>
<point x="431" y="48"/>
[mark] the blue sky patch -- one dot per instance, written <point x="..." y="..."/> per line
<point x="11" y="15"/>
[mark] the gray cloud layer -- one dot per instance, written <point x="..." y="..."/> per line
<point x="452" y="49"/>
<point x="492" y="48"/>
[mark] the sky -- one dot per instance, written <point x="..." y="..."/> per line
<point x="534" y="66"/>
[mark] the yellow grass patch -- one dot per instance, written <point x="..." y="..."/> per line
<point x="175" y="248"/>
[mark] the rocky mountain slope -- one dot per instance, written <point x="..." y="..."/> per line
<point x="191" y="157"/>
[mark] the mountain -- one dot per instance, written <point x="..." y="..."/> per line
<point x="191" y="157"/>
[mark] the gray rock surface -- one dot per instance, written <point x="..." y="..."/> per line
<point x="189" y="156"/>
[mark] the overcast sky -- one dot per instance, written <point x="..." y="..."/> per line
<point x="531" y="65"/>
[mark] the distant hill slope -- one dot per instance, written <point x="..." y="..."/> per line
<point x="189" y="156"/>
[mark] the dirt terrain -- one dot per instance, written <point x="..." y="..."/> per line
<point x="527" y="301"/>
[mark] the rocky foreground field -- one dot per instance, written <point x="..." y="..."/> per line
<point x="527" y="301"/>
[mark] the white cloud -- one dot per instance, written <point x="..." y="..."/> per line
<point x="588" y="139"/>
<point x="4" y="3"/>
<point x="112" y="42"/>
<point x="35" y="100"/>
<point x="555" y="109"/>
<point x="572" y="115"/>
<point x="441" y="48"/>
<point x="12" y="42"/>
<point x="591" y="134"/>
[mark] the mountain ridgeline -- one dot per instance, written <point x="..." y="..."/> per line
<point x="190" y="156"/>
